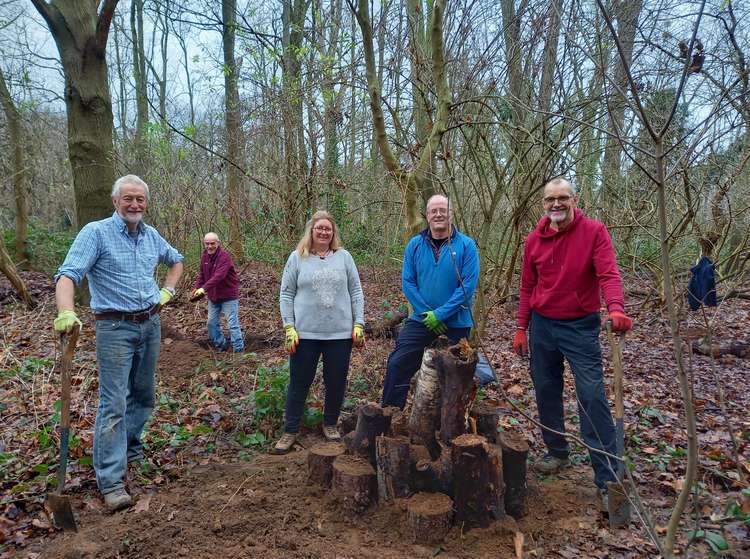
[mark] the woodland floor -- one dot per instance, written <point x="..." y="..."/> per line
<point x="209" y="489"/>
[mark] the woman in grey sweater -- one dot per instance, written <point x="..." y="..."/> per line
<point x="322" y="306"/>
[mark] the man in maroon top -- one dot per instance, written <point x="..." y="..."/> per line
<point x="218" y="280"/>
<point x="568" y="263"/>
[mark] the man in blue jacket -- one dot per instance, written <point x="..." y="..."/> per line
<point x="440" y="274"/>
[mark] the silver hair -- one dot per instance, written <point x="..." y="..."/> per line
<point x="128" y="179"/>
<point x="212" y="234"/>
<point x="560" y="180"/>
<point x="431" y="198"/>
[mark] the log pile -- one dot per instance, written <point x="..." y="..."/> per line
<point x="447" y="457"/>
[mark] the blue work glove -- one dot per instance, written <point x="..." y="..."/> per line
<point x="433" y="323"/>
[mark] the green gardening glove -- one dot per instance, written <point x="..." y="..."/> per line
<point x="433" y="323"/>
<point x="291" y="339"/>
<point x="164" y="296"/>
<point x="65" y="321"/>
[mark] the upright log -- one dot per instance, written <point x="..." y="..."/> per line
<point x="471" y="480"/>
<point x="371" y="422"/>
<point x="430" y="517"/>
<point x="515" y="451"/>
<point x="496" y="487"/>
<point x="394" y="466"/>
<point x="425" y="412"/>
<point x="487" y="415"/>
<point x="320" y="462"/>
<point x="354" y="483"/>
<point x="455" y="367"/>
<point x="435" y="476"/>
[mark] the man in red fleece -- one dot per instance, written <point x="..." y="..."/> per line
<point x="218" y="280"/>
<point x="568" y="263"/>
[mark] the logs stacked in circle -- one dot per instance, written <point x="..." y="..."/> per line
<point x="449" y="475"/>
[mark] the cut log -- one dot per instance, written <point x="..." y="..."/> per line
<point x="455" y="367"/>
<point x="320" y="462"/>
<point x="425" y="412"/>
<point x="496" y="488"/>
<point x="399" y="423"/>
<point x="354" y="483"/>
<point x="487" y="415"/>
<point x="471" y="479"/>
<point x="394" y="466"/>
<point x="435" y="476"/>
<point x="385" y="328"/>
<point x="736" y="348"/>
<point x="430" y="517"/>
<point x="371" y="422"/>
<point x="515" y="451"/>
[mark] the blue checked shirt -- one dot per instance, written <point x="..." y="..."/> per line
<point x="120" y="267"/>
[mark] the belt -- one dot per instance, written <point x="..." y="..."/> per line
<point x="139" y="316"/>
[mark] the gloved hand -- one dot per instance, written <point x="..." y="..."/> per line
<point x="198" y="293"/>
<point x="291" y="340"/>
<point x="431" y="321"/>
<point x="358" y="335"/>
<point x="164" y="296"/>
<point x="620" y="321"/>
<point x="65" y="321"/>
<point x="521" y="343"/>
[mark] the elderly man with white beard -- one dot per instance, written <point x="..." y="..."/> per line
<point x="568" y="263"/>
<point x="119" y="255"/>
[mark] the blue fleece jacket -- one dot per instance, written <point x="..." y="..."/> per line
<point x="431" y="284"/>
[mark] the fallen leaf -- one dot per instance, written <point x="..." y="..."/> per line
<point x="143" y="503"/>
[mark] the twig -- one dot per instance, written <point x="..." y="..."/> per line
<point x="235" y="493"/>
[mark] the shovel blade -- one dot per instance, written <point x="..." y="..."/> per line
<point x="618" y="505"/>
<point x="62" y="512"/>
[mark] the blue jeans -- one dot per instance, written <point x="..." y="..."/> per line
<point x="302" y="366"/>
<point x="126" y="353"/>
<point x="231" y="310"/>
<point x="406" y="359"/>
<point x="577" y="340"/>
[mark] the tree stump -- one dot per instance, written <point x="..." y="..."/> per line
<point x="435" y="476"/>
<point x="394" y="466"/>
<point x="430" y="517"/>
<point x="354" y="482"/>
<point x="496" y="488"/>
<point x="425" y="412"/>
<point x="371" y="422"/>
<point x="320" y="462"/>
<point x="455" y="367"/>
<point x="515" y="451"/>
<point x="471" y="479"/>
<point x="487" y="416"/>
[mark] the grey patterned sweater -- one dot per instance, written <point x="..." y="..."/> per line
<point x="322" y="297"/>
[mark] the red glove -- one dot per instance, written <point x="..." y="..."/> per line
<point x="620" y="322"/>
<point x="521" y="343"/>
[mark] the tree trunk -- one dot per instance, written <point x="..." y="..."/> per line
<point x="515" y="451"/>
<point x="455" y="367"/>
<point x="320" y="462"/>
<point x="394" y="466"/>
<point x="9" y="271"/>
<point x="472" y="477"/>
<point x="487" y="415"/>
<point x="430" y="516"/>
<point x="80" y="34"/>
<point x="354" y="483"/>
<point x="371" y="422"/>
<point x="16" y="140"/>
<point x="233" y="124"/>
<point x="425" y="412"/>
<point x="140" y="78"/>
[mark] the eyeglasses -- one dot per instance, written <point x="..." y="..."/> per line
<point x="320" y="229"/>
<point x="550" y="200"/>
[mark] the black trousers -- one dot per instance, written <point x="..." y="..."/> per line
<point x="302" y="366"/>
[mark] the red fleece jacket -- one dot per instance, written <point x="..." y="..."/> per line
<point x="218" y="276"/>
<point x="565" y="272"/>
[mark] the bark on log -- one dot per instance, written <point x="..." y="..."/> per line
<point x="487" y="415"/>
<point x="425" y="412"/>
<point x="371" y="422"/>
<point x="320" y="462"/>
<point x="515" y="451"/>
<point x="394" y="466"/>
<point x="455" y="367"/>
<point x="471" y="468"/>
<point x="430" y="517"/>
<point x="435" y="476"/>
<point x="354" y="483"/>
<point x="738" y="349"/>
<point x="496" y="488"/>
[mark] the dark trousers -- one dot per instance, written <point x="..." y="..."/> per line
<point x="577" y="340"/>
<point x="406" y="359"/>
<point x="302" y="366"/>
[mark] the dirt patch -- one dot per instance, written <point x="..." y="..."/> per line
<point x="268" y="509"/>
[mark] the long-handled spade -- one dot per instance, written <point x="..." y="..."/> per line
<point x="58" y="503"/>
<point x="618" y="502"/>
